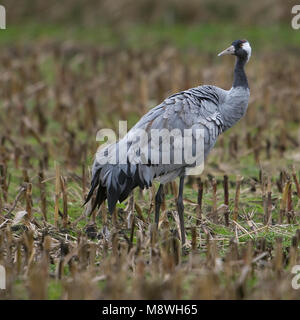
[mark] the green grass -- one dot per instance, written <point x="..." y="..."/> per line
<point x="54" y="290"/>
<point x="205" y="37"/>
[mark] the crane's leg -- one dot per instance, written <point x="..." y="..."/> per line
<point x="180" y="208"/>
<point x="158" y="202"/>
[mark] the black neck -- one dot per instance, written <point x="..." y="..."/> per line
<point x="240" y="78"/>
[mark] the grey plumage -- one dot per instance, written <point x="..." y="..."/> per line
<point x="209" y="108"/>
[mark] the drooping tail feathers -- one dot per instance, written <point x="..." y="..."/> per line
<point x="116" y="181"/>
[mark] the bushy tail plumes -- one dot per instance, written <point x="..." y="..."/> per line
<point x="115" y="182"/>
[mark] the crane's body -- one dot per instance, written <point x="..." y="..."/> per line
<point x="209" y="108"/>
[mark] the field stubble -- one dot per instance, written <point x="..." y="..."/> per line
<point x="242" y="215"/>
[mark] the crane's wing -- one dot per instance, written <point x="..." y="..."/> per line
<point x="193" y="109"/>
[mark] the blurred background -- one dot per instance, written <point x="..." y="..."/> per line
<point x="124" y="56"/>
<point x="191" y="23"/>
<point x="126" y="12"/>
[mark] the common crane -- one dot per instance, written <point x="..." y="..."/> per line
<point x="206" y="107"/>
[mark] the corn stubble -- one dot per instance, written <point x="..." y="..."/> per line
<point x="241" y="226"/>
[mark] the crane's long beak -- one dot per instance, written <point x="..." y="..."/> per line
<point x="229" y="50"/>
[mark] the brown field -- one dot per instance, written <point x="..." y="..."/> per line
<point x="70" y="68"/>
<point x="242" y="245"/>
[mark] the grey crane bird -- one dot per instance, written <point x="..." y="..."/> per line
<point x="206" y="107"/>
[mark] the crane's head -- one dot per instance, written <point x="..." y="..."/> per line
<point x="239" y="48"/>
